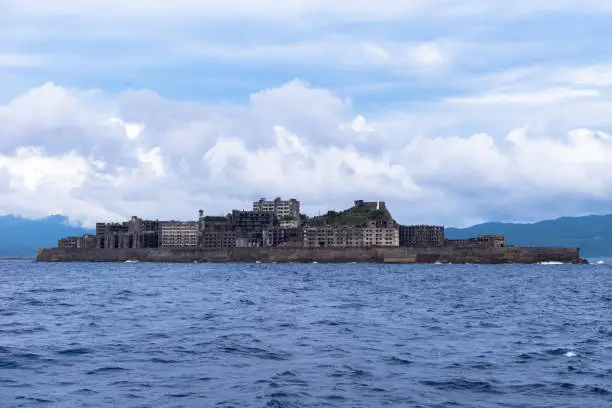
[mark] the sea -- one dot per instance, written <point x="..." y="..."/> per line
<point x="305" y="335"/>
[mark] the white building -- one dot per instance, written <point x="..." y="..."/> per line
<point x="179" y="234"/>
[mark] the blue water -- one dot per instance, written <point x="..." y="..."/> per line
<point x="305" y="335"/>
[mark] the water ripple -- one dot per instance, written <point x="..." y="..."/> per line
<point x="303" y="335"/>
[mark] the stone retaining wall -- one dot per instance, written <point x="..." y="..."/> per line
<point x="276" y="254"/>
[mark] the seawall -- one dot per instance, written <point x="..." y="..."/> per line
<point x="275" y="254"/>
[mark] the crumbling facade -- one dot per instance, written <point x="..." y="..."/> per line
<point x="481" y="241"/>
<point x="179" y="234"/>
<point x="421" y="236"/>
<point x="379" y="236"/>
<point x="351" y="236"/>
<point x="86" y="241"/>
<point x="277" y="223"/>
<point x="218" y="236"/>
<point x="370" y="205"/>
<point x="283" y="209"/>
<point x="114" y="235"/>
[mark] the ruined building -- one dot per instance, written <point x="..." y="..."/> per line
<point x="351" y="236"/>
<point x="250" y="226"/>
<point x="277" y="223"/>
<point x="114" y="235"/>
<point x="481" y="241"/>
<point x="216" y="232"/>
<point x="283" y="209"/>
<point x="421" y="235"/>
<point x="179" y="234"/>
<point x="86" y="241"/>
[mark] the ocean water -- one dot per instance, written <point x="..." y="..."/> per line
<point x="305" y="335"/>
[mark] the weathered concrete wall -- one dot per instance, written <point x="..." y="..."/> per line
<point x="397" y="255"/>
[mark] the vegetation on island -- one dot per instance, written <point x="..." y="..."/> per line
<point x="354" y="216"/>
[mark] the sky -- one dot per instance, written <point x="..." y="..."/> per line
<point x="453" y="112"/>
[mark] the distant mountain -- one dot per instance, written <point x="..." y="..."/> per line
<point x="21" y="237"/>
<point x="592" y="233"/>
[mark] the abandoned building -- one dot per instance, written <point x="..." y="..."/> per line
<point x="288" y="209"/>
<point x="179" y="234"/>
<point x="277" y="223"/>
<point x="421" y="235"/>
<point x="350" y="236"/>
<point x="481" y="241"/>
<point x="86" y="241"/>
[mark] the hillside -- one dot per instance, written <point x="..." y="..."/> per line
<point x="353" y="216"/>
<point x="21" y="236"/>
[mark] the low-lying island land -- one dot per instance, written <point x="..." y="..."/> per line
<point x="276" y="231"/>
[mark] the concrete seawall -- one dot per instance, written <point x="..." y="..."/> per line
<point x="382" y="255"/>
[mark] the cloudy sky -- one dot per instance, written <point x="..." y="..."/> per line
<point x="453" y="112"/>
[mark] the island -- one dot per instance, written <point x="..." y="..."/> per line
<point x="276" y="231"/>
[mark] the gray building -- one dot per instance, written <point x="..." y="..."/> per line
<point x="283" y="209"/>
<point x="179" y="234"/>
<point x="421" y="236"/>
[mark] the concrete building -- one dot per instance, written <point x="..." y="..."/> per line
<point x="136" y="233"/>
<point x="421" y="236"/>
<point x="319" y="237"/>
<point x="277" y="236"/>
<point x="179" y="234"/>
<point x="86" y="241"/>
<point x="370" y="205"/>
<point x="218" y="236"/>
<point x="281" y="208"/>
<point x="250" y="226"/>
<point x="481" y="241"/>
<point x="374" y="235"/>
<point x="145" y="232"/>
<point x="289" y="224"/>
<point x="348" y="236"/>
<point x="114" y="235"/>
<point x="351" y="236"/>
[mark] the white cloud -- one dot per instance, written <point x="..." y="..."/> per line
<point x="30" y="170"/>
<point x="285" y="141"/>
<point x="358" y="125"/>
<point x="132" y="130"/>
<point x="153" y="159"/>
<point x="547" y="96"/>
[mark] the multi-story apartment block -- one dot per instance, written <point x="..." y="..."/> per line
<point x="250" y="225"/>
<point x="114" y="235"/>
<point x="277" y="236"/>
<point x="218" y="236"/>
<point x="281" y="208"/>
<point x="374" y="235"/>
<point x="421" y="235"/>
<point x="136" y="233"/>
<point x="319" y="237"/>
<point x="179" y="234"/>
<point x="348" y="236"/>
<point x="86" y="241"/>
<point x="351" y="236"/>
